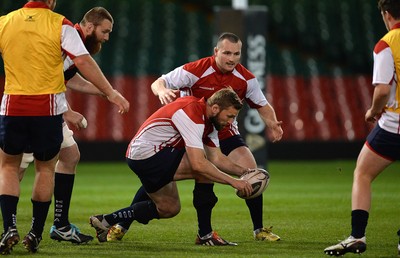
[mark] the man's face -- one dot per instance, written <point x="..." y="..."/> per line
<point x="224" y="117"/>
<point x="227" y="55"/>
<point x="97" y="36"/>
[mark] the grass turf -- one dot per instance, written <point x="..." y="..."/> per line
<point x="308" y="203"/>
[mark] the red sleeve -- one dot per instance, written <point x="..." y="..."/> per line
<point x="67" y="22"/>
<point x="381" y="45"/>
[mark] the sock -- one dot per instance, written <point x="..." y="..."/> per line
<point x="64" y="184"/>
<point x="359" y="220"/>
<point x="256" y="211"/>
<point x="204" y="200"/>
<point x="140" y="196"/>
<point x="142" y="212"/>
<point x="40" y="211"/>
<point x="8" y="204"/>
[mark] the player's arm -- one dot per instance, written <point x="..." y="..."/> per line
<point x="78" y="83"/>
<point x="215" y="156"/>
<point x="73" y="46"/>
<point x="267" y="114"/>
<point x="160" y="90"/>
<point x="91" y="71"/>
<point x="379" y="101"/>
<point x="201" y="165"/>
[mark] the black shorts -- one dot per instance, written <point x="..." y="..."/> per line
<point x="384" y="143"/>
<point x="158" y="170"/>
<point x="41" y="135"/>
<point x="231" y="143"/>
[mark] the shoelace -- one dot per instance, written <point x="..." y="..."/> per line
<point x="267" y="230"/>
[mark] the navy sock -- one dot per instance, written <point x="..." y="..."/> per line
<point x="140" y="196"/>
<point x="64" y="183"/>
<point x="40" y="211"/>
<point x="255" y="206"/>
<point x="8" y="205"/>
<point x="142" y="212"/>
<point x="359" y="220"/>
<point x="204" y="200"/>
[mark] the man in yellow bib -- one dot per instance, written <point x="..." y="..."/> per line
<point x="34" y="40"/>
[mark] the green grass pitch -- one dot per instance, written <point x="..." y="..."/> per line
<point x="308" y="204"/>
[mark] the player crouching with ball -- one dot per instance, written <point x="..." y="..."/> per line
<point x="185" y="130"/>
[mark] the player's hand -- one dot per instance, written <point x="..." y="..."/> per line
<point x="120" y="101"/>
<point x="371" y="116"/>
<point x="243" y="186"/>
<point x="275" y="131"/>
<point x="75" y="118"/>
<point x="167" y="96"/>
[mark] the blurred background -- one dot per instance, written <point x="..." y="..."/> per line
<point x="317" y="73"/>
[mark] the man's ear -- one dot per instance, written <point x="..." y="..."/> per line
<point x="215" y="109"/>
<point x="89" y="28"/>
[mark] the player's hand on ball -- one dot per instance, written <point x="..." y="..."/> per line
<point x="258" y="179"/>
<point x="242" y="186"/>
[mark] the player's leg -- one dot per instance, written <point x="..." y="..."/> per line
<point x="243" y="156"/>
<point x="380" y="150"/>
<point x="62" y="229"/>
<point x="183" y="172"/>
<point x="13" y="139"/>
<point x="369" y="166"/>
<point x="9" y="197"/>
<point x="204" y="200"/>
<point x="164" y="203"/>
<point x="46" y="140"/>
<point x="156" y="174"/>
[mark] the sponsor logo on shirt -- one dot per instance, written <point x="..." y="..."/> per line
<point x="29" y="18"/>
<point x="206" y="88"/>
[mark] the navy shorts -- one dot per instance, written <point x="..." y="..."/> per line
<point x="158" y="170"/>
<point x="384" y="143"/>
<point x="231" y="143"/>
<point x="41" y="135"/>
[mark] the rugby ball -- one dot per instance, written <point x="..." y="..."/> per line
<point x="259" y="180"/>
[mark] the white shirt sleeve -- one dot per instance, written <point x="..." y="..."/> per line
<point x="191" y="132"/>
<point x="254" y="93"/>
<point x="71" y="42"/>
<point x="383" y="67"/>
<point x="179" y="78"/>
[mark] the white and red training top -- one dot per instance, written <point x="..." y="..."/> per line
<point x="387" y="71"/>
<point x="179" y="124"/>
<point x="202" y="78"/>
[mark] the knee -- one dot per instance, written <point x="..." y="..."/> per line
<point x="169" y="209"/>
<point x="69" y="158"/>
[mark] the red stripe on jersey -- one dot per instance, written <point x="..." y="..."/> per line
<point x="30" y="105"/>
<point x="381" y="45"/>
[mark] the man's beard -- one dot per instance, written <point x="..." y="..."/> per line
<point x="92" y="44"/>
<point x="215" y="123"/>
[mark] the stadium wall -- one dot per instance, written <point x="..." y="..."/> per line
<point x="318" y="69"/>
